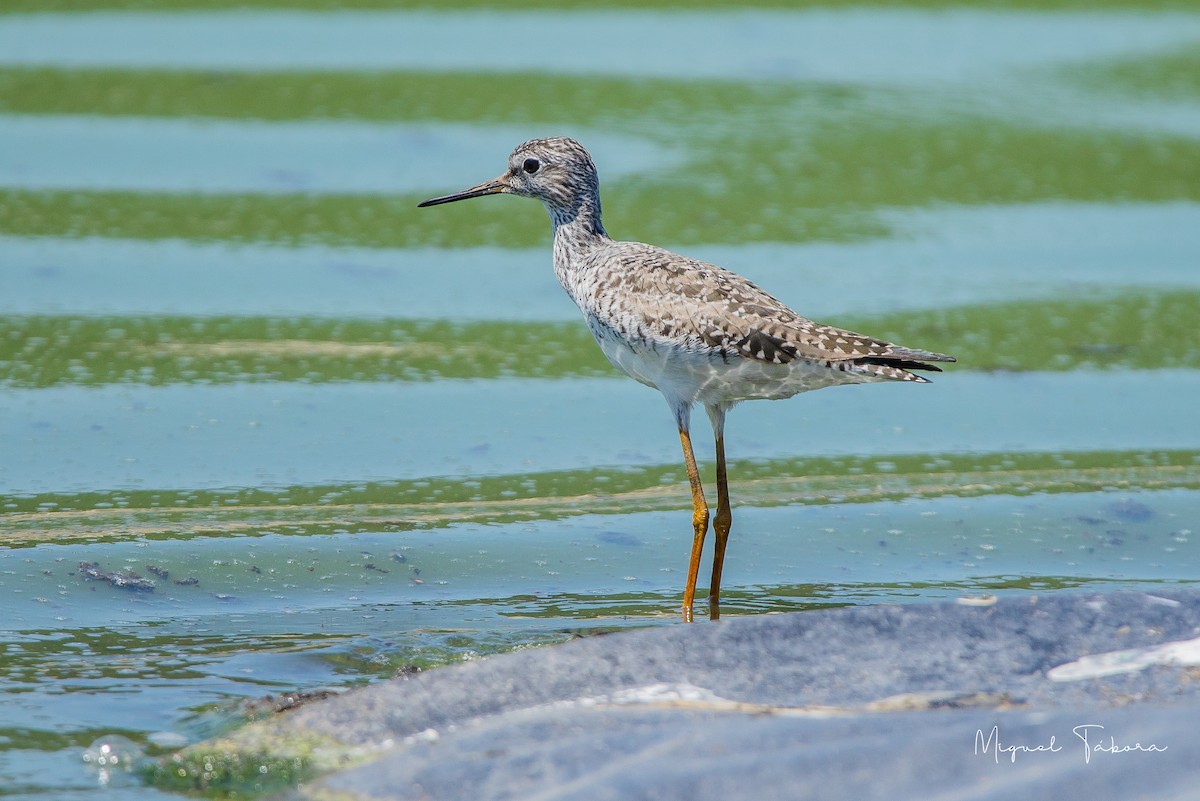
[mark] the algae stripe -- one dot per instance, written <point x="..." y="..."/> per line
<point x="1143" y="330"/>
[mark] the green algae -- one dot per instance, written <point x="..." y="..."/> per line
<point x="436" y="503"/>
<point x="760" y="161"/>
<point x="254" y="760"/>
<point x="1138" y="330"/>
<point x="1169" y="76"/>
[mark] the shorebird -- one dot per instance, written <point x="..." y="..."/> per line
<point x="696" y="332"/>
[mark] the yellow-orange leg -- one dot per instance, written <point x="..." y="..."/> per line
<point x="699" y="523"/>
<point x="721" y="524"/>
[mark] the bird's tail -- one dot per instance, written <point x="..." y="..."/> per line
<point x="898" y="364"/>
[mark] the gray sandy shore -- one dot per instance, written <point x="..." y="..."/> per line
<point x="1067" y="696"/>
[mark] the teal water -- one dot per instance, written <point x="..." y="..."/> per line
<point x="1031" y="251"/>
<point x="148" y="154"/>
<point x="859" y="45"/>
<point x="343" y="438"/>
<point x="75" y="439"/>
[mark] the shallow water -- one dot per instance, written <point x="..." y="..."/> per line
<point x="145" y="154"/>
<point x="265" y="426"/>
<point x="963" y="255"/>
<point x="75" y="439"/>
<point x="870" y="45"/>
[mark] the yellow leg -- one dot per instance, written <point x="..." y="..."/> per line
<point x="699" y="524"/>
<point x="721" y="523"/>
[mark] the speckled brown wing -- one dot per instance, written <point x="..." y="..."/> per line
<point x="676" y="299"/>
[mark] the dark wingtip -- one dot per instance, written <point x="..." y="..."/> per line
<point x="902" y="364"/>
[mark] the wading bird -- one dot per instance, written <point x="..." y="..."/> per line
<point x="694" y="331"/>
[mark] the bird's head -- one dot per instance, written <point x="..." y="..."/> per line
<point x="557" y="171"/>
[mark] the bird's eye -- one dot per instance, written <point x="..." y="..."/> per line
<point x="531" y="166"/>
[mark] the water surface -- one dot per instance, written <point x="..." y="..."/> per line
<point x="868" y="45"/>
<point x="266" y="426"/>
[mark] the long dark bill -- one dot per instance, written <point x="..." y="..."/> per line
<point x="490" y="188"/>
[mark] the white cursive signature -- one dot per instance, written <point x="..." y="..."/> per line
<point x="1087" y="733"/>
<point x="993" y="744"/>
<point x="1082" y="732"/>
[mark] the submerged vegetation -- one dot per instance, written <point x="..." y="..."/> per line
<point x="1142" y="331"/>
